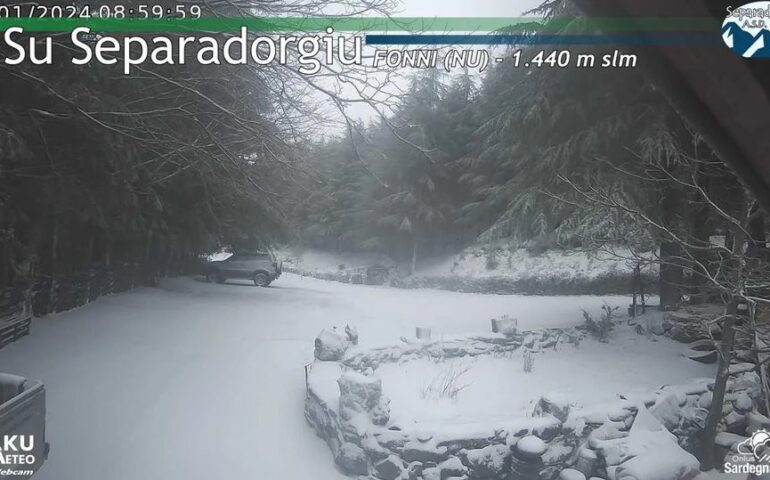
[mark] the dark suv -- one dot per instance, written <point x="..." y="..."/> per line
<point x="261" y="268"/>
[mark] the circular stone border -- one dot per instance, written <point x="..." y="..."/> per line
<point x="346" y="407"/>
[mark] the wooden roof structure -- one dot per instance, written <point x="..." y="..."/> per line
<point x="725" y="96"/>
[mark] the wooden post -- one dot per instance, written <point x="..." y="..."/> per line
<point x="634" y="285"/>
<point x="54" y="247"/>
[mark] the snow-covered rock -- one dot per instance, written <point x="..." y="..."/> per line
<point x="662" y="460"/>
<point x="531" y="447"/>
<point x="373" y="449"/>
<point x="553" y="404"/>
<point x="743" y="402"/>
<point x="548" y="428"/>
<point x="648" y="452"/>
<point x="526" y="461"/>
<point x="488" y="462"/>
<point x="361" y="394"/>
<point x="668" y="410"/>
<point x="559" y="451"/>
<point x="431" y="473"/>
<point x="390" y="468"/>
<point x="757" y="421"/>
<point x="352" y="459"/>
<point x="692" y="324"/>
<point x="571" y="474"/>
<point x="423" y="452"/>
<point x="330" y="346"/>
<point x="452" y="467"/>
<point x="586" y="461"/>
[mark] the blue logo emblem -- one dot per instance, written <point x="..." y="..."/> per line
<point x="746" y="30"/>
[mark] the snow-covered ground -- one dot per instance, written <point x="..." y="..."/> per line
<point x="197" y="381"/>
<point x="585" y="375"/>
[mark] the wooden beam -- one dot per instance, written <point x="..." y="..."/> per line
<point x="718" y="91"/>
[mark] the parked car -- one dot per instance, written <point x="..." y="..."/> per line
<point x="261" y="268"/>
<point x="22" y="426"/>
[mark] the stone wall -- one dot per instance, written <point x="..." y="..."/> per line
<point x="346" y="407"/>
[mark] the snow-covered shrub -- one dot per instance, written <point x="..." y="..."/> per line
<point x="537" y="247"/>
<point x="600" y="329"/>
<point x="447" y="384"/>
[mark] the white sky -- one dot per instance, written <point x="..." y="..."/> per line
<point x="444" y="8"/>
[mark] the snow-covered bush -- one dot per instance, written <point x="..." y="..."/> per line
<point x="448" y="384"/>
<point x="600" y="329"/>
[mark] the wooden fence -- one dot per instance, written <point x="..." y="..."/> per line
<point x="47" y="294"/>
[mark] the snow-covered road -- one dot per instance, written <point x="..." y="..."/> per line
<point x="199" y="381"/>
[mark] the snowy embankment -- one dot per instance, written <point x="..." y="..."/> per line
<point x="488" y="269"/>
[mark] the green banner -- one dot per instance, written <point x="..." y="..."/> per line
<point x="366" y="24"/>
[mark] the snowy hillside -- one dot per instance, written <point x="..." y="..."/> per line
<point x="485" y="262"/>
<point x="490" y="269"/>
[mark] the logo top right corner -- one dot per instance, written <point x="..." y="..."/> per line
<point x="746" y="29"/>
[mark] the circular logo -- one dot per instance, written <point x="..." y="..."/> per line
<point x="746" y="29"/>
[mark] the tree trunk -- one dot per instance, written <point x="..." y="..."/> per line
<point x="709" y="433"/>
<point x="636" y="285"/>
<point x="737" y="282"/>
<point x="670" y="276"/>
<point x="54" y="261"/>
<point x="5" y="260"/>
<point x="90" y="262"/>
<point x="757" y="230"/>
<point x="108" y="250"/>
<point x="762" y="358"/>
<point x="413" y="266"/>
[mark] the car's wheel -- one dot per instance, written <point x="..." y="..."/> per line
<point x="220" y="278"/>
<point x="261" y="279"/>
